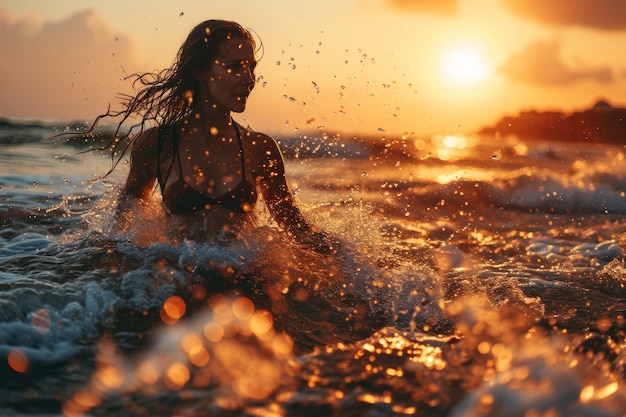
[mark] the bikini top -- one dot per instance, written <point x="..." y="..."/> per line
<point x="180" y="198"/>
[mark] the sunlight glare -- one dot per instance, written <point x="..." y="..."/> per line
<point x="463" y="63"/>
<point x="452" y="141"/>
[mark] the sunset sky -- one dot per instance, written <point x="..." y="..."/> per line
<point x="412" y="67"/>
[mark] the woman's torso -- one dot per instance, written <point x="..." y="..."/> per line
<point x="206" y="175"/>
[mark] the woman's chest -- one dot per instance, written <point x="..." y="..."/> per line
<point x="211" y="167"/>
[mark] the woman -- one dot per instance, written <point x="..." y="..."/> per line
<point x="208" y="167"/>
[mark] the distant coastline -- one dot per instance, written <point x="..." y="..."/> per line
<point x="602" y="123"/>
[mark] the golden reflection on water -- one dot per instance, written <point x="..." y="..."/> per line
<point x="173" y="309"/>
<point x="590" y="393"/>
<point x="397" y="345"/>
<point x="465" y="157"/>
<point x="452" y="147"/>
<point x="397" y="369"/>
<point x="233" y="349"/>
<point x="41" y="321"/>
<point x="17" y="360"/>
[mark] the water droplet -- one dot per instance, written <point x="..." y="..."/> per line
<point x="497" y="155"/>
<point x="278" y="63"/>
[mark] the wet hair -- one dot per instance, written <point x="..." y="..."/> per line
<point x="166" y="97"/>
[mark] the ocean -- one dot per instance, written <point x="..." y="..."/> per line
<point x="477" y="276"/>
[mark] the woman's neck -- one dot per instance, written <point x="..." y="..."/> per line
<point x="208" y="117"/>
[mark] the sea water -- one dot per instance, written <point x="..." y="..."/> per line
<point x="476" y="276"/>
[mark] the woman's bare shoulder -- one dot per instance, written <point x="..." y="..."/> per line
<point x="261" y="142"/>
<point x="146" y="140"/>
<point x="144" y="148"/>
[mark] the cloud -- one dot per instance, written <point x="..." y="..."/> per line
<point x="596" y="14"/>
<point x="539" y="63"/>
<point x="442" y="7"/>
<point x="67" y="69"/>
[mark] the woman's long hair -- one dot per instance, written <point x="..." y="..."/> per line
<point x="166" y="97"/>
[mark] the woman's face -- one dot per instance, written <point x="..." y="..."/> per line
<point x="228" y="81"/>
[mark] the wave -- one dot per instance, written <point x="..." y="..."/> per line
<point x="17" y="132"/>
<point x="433" y="248"/>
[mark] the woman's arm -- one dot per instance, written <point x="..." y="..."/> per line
<point x="143" y="162"/>
<point x="140" y="181"/>
<point x="280" y="200"/>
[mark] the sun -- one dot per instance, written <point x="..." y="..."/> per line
<point x="463" y="63"/>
